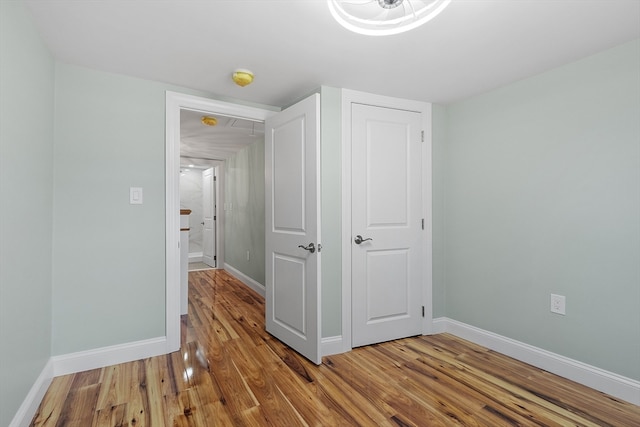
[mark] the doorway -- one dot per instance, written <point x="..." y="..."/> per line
<point x="198" y="195"/>
<point x="175" y="104"/>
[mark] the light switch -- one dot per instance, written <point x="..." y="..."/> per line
<point x="135" y="195"/>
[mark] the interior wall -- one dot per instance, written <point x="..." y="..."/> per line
<point x="542" y="195"/>
<point x="331" y="210"/>
<point x="438" y="147"/>
<point x="26" y="194"/>
<point x="244" y="211"/>
<point x="191" y="198"/>
<point x="109" y="255"/>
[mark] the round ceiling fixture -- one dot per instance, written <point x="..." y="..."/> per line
<point x="242" y="77"/>
<point x="384" y="17"/>
<point x="209" y="120"/>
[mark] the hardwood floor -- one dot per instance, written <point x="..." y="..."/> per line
<point x="230" y="372"/>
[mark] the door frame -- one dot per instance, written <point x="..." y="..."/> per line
<point x="174" y="102"/>
<point x="355" y="97"/>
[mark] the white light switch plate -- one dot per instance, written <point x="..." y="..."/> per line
<point x="558" y="304"/>
<point x="135" y="195"/>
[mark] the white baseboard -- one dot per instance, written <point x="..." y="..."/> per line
<point x="195" y="256"/>
<point x="256" y="286"/>
<point x="607" y="382"/>
<point x="30" y="404"/>
<point x="331" y="345"/>
<point x="107" y="356"/>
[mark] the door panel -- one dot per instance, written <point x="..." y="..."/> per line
<point x="288" y="289"/>
<point x="386" y="302"/>
<point x="387" y="271"/>
<point x="208" y="217"/>
<point x="292" y="211"/>
<point x="386" y="175"/>
<point x="289" y="177"/>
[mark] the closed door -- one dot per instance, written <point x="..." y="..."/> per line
<point x="387" y="224"/>
<point x="208" y="218"/>
<point x="292" y="211"/>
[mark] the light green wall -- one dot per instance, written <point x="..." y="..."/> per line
<point x="244" y="223"/>
<point x="109" y="256"/>
<point x="542" y="195"/>
<point x="438" y="146"/>
<point x="331" y="222"/>
<point x="26" y="193"/>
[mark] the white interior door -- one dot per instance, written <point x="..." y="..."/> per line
<point x="208" y="217"/>
<point x="292" y="212"/>
<point x="387" y="224"/>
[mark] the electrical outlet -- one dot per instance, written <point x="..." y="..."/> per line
<point x="558" y="304"/>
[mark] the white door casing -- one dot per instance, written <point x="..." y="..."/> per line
<point x="292" y="211"/>
<point x="208" y="218"/>
<point x="380" y="210"/>
<point x="174" y="103"/>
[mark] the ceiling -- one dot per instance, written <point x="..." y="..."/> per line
<point x="200" y="144"/>
<point x="294" y="46"/>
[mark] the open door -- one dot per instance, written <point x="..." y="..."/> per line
<point x="292" y="211"/>
<point x="208" y="217"/>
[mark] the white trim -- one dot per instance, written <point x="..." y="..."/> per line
<point x="331" y="345"/>
<point x="246" y="280"/>
<point x="174" y="103"/>
<point x="107" y="356"/>
<point x="346" y="220"/>
<point x="427" y="211"/>
<point x="172" y="227"/>
<point x="29" y="406"/>
<point x="219" y="168"/>
<point x="349" y="97"/>
<point x="607" y="382"/>
<point x="439" y="325"/>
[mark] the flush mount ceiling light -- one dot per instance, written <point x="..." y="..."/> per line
<point x="242" y="77"/>
<point x="209" y="120"/>
<point x="384" y="17"/>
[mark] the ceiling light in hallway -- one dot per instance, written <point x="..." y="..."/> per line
<point x="209" y="120"/>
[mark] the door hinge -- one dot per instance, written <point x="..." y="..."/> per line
<point x="215" y="258"/>
<point x="215" y="178"/>
<point x="423" y="223"/>
<point x="214" y="218"/>
<point x="422" y="135"/>
<point x="423" y="311"/>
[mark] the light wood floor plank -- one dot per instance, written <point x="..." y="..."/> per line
<point x="49" y="411"/>
<point x="230" y="372"/>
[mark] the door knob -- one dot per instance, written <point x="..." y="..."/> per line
<point x="359" y="239"/>
<point x="311" y="248"/>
